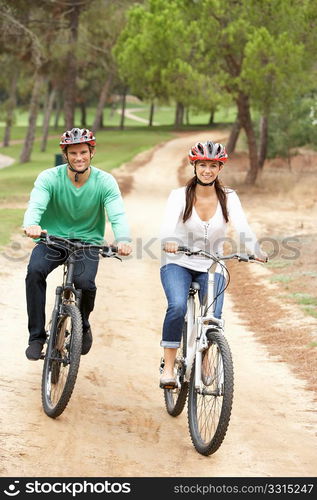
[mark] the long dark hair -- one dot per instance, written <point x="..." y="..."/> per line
<point x="191" y="196"/>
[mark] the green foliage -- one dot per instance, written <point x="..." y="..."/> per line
<point x="292" y="126"/>
<point x="159" y="54"/>
<point x="272" y="67"/>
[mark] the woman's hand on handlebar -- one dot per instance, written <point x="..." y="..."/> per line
<point x="263" y="256"/>
<point x="170" y="247"/>
<point x="34" y="231"/>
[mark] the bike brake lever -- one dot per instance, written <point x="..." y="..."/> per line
<point x="109" y="253"/>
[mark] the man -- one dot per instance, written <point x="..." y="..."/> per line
<point x="70" y="201"/>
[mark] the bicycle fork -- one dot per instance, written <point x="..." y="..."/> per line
<point x="55" y="313"/>
<point x="216" y="377"/>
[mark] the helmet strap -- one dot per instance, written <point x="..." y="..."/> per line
<point x="205" y="183"/>
<point x="198" y="181"/>
<point x="77" y="173"/>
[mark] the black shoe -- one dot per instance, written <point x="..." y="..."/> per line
<point x="34" y="350"/>
<point x="87" y="341"/>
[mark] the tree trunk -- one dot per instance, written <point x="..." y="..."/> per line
<point x="47" y="117"/>
<point x="246" y="123"/>
<point x="151" y="114"/>
<point x="179" y="114"/>
<point x="187" y="116"/>
<point x="30" y="136"/>
<point x="101" y="103"/>
<point x="71" y="64"/>
<point x="124" y="99"/>
<point x="57" y="112"/>
<point x="211" y="117"/>
<point x="234" y="135"/>
<point x="12" y="101"/>
<point x="263" y="140"/>
<point x="83" y="112"/>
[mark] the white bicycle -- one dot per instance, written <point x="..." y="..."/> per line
<point x="203" y="365"/>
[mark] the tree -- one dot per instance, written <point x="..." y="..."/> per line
<point x="155" y="52"/>
<point x="99" y="71"/>
<point x="256" y="50"/>
<point x="9" y="84"/>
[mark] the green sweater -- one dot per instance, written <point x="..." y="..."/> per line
<point x="70" y="212"/>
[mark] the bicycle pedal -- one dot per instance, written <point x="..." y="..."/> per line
<point x="164" y="386"/>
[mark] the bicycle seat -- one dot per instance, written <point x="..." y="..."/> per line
<point x="195" y="286"/>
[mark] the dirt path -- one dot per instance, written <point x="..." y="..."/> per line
<point x="116" y="424"/>
<point x="129" y="113"/>
<point x="6" y="161"/>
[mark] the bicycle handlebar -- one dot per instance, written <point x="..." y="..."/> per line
<point x="240" y="257"/>
<point x="105" y="250"/>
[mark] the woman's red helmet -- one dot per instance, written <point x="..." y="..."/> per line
<point x="207" y="151"/>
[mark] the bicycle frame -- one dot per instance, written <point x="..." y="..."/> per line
<point x="198" y="325"/>
<point x="67" y="289"/>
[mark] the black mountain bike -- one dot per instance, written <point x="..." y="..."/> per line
<point x="65" y="331"/>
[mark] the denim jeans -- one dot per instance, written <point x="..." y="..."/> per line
<point x="176" y="281"/>
<point x="44" y="260"/>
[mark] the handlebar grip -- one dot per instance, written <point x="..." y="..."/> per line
<point x="262" y="260"/>
<point x="183" y="249"/>
<point x="257" y="259"/>
<point x="245" y="258"/>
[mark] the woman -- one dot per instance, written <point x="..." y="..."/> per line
<point x="196" y="216"/>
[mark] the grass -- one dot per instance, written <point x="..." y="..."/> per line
<point x="281" y="278"/>
<point x="309" y="302"/>
<point x="312" y="345"/>
<point x="305" y="299"/>
<point x="10" y="221"/>
<point x="312" y="311"/>
<point x="163" y="115"/>
<point x="277" y="264"/>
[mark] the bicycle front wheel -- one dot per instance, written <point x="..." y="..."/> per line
<point x="209" y="408"/>
<point x="175" y="399"/>
<point x="61" y="361"/>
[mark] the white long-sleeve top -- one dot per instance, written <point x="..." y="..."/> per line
<point x="207" y="235"/>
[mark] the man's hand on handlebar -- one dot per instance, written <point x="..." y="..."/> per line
<point x="124" y="249"/>
<point x="34" y="231"/>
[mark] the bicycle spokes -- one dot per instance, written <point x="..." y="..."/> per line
<point x="62" y="361"/>
<point x="209" y="406"/>
<point x="59" y="360"/>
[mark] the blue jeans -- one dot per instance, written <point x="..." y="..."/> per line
<point x="176" y="281"/>
<point x="44" y="260"/>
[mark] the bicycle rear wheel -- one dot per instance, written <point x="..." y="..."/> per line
<point x="175" y="399"/>
<point x="209" y="409"/>
<point x="61" y="361"/>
